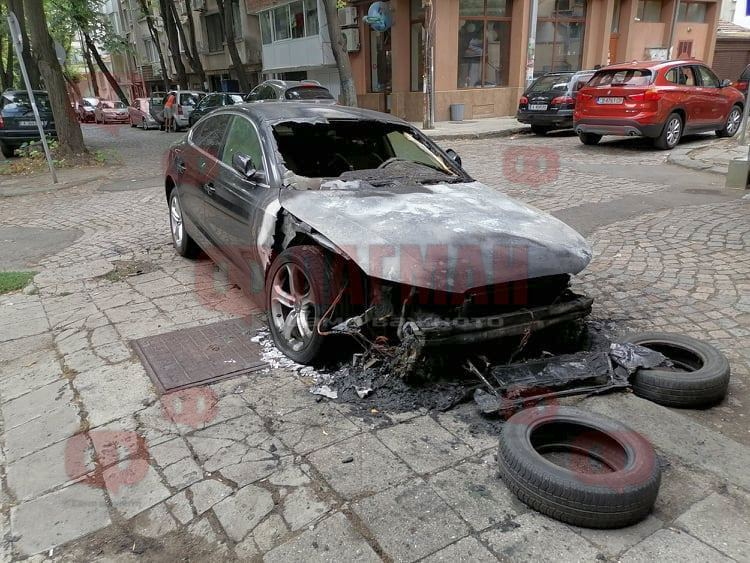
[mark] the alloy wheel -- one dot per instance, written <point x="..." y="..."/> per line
<point x="175" y="221"/>
<point x="733" y="122"/>
<point x="292" y="306"/>
<point x="674" y="128"/>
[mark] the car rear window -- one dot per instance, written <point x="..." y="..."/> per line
<point x="308" y="93"/>
<point x="118" y="105"/>
<point x="622" y="77"/>
<point x="20" y="101"/>
<point x="550" y="83"/>
<point x="190" y="99"/>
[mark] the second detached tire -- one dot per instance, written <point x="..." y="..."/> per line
<point x="699" y="378"/>
<point x="617" y="487"/>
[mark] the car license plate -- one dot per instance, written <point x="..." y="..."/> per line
<point x="609" y="101"/>
<point x="537" y="107"/>
<point x="28" y="123"/>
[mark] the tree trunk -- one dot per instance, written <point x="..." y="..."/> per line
<point x="6" y="78"/>
<point x="146" y="9"/>
<point x="103" y="67"/>
<point x="198" y="65"/>
<point x="16" y="6"/>
<point x="69" y="133"/>
<point x="344" y="65"/>
<point x="90" y="65"/>
<point x="174" y="42"/>
<point x="226" y="12"/>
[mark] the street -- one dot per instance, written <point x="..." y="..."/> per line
<point x="256" y="467"/>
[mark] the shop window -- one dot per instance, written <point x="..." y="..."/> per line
<point x="380" y="61"/>
<point x="417" y="45"/>
<point x="649" y="10"/>
<point x="692" y="12"/>
<point x="559" y="36"/>
<point x="483" y="43"/>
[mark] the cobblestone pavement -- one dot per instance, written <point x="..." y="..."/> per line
<point x="263" y="470"/>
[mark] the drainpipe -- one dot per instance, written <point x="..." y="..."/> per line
<point x="672" y="29"/>
<point x="531" y="45"/>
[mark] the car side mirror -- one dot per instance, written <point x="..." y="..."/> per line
<point x="243" y="164"/>
<point x="454" y="156"/>
<point x="724" y="83"/>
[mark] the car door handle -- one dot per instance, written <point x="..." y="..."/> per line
<point x="210" y="189"/>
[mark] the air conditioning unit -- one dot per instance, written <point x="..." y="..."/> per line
<point x="347" y="16"/>
<point x="351" y="39"/>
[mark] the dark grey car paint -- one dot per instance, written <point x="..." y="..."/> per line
<point x="237" y="220"/>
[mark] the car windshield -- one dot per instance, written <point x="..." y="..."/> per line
<point x="622" y="77"/>
<point x="189" y="99"/>
<point x="308" y="93"/>
<point x="90" y="102"/>
<point x="347" y="148"/>
<point x="550" y="83"/>
<point x="118" y="105"/>
<point x="108" y="105"/>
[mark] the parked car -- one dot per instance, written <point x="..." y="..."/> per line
<point x="17" y="122"/>
<point x="342" y="188"/>
<point x="185" y="104"/>
<point x="212" y="101"/>
<point x="290" y="91"/>
<point x="660" y="100"/>
<point x="87" y="109"/>
<point x="742" y="82"/>
<point x="111" y="112"/>
<point x="140" y="114"/>
<point x="550" y="100"/>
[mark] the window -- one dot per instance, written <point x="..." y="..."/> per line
<point x="214" y="33"/>
<point x="236" y="19"/>
<point x="297" y="18"/>
<point x="483" y="43"/>
<point x="380" y="61"/>
<point x="311" y="17"/>
<point x="417" y="45"/>
<point x="621" y="77"/>
<point x="559" y="35"/>
<point x="208" y="134"/>
<point x="693" y="12"/>
<point x="242" y="139"/>
<point x="682" y="75"/>
<point x="308" y="93"/>
<point x="615" y="27"/>
<point x="708" y="78"/>
<point x="684" y="49"/>
<point x="265" y="27"/>
<point x="281" y="29"/>
<point x="649" y="10"/>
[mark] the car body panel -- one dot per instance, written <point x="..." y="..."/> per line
<point x="284" y="91"/>
<point x="140" y="113"/>
<point x="19" y="124"/>
<point x="111" y="112"/>
<point x="558" y="116"/>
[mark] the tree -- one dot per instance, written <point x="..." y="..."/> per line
<point x="149" y="15"/>
<point x="103" y="67"/>
<point x="344" y="65"/>
<point x="68" y="129"/>
<point x="194" y="58"/>
<point x="6" y="55"/>
<point x="174" y="41"/>
<point x="16" y="6"/>
<point x="90" y="66"/>
<point x="226" y="12"/>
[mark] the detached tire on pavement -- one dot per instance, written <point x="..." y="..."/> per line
<point x="577" y="467"/>
<point x="699" y="378"/>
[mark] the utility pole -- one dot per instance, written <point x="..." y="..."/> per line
<point x="531" y="45"/>
<point x="428" y="80"/>
<point x="672" y="27"/>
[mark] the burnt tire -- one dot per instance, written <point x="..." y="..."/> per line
<point x="702" y="377"/>
<point x="589" y="138"/>
<point x="317" y="293"/>
<point x="616" y="498"/>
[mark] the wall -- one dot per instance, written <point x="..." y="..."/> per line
<point x="642" y="36"/>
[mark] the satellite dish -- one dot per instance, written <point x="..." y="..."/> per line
<point x="60" y="52"/>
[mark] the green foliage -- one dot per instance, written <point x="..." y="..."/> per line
<point x="13" y="281"/>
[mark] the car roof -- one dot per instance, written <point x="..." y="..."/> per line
<point x="653" y="65"/>
<point x="16" y="92"/>
<point x="274" y="112"/>
<point x="286" y="84"/>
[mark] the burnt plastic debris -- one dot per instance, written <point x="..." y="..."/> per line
<point x="632" y="357"/>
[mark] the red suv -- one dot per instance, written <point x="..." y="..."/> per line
<point x="657" y="99"/>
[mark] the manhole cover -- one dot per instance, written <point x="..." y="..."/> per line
<point x="200" y="355"/>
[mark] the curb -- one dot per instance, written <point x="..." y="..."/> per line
<point x="475" y="136"/>
<point x="680" y="157"/>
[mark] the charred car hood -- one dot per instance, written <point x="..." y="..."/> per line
<point x="447" y="237"/>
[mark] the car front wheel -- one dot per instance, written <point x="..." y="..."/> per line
<point x="8" y="150"/>
<point x="734" y="119"/>
<point x="671" y="134"/>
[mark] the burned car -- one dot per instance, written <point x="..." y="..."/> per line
<point x="339" y="220"/>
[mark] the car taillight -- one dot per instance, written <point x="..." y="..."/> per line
<point x="582" y="96"/>
<point x="650" y="95"/>
<point x="523" y="101"/>
<point x="2" y="122"/>
<point x="562" y="100"/>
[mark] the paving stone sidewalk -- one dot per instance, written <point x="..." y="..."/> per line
<point x="708" y="154"/>
<point x="96" y="466"/>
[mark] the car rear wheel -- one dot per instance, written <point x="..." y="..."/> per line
<point x="8" y="151"/>
<point x="143" y="125"/>
<point x="671" y="134"/>
<point x="299" y="292"/>
<point x="183" y="243"/>
<point x="540" y="129"/>
<point x="589" y="138"/>
<point x="132" y="123"/>
<point x="734" y="119"/>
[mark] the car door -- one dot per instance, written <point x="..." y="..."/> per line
<point x="196" y="162"/>
<point x="687" y="95"/>
<point x="715" y="105"/>
<point x="235" y="210"/>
